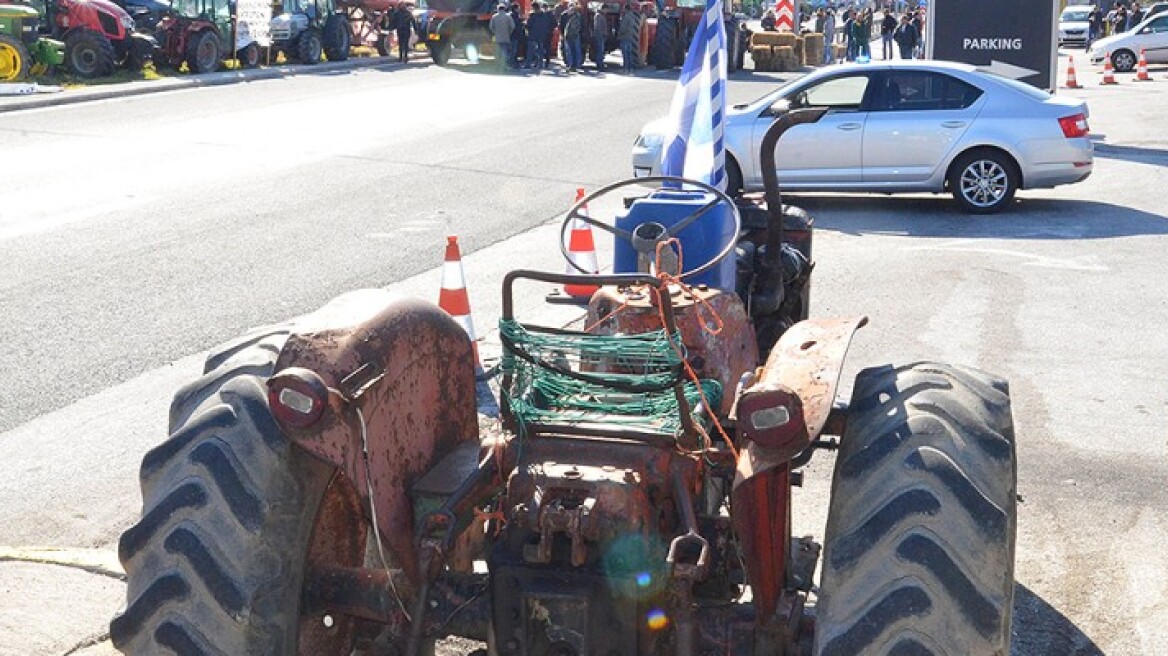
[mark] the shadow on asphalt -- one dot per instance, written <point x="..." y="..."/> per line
<point x="1137" y="154"/>
<point x="1039" y="628"/>
<point x="939" y="216"/>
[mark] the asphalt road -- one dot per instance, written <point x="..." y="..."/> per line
<point x="137" y="233"/>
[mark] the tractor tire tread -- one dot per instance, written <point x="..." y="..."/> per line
<point x="106" y="62"/>
<point x="919" y="551"/>
<point x="215" y="564"/>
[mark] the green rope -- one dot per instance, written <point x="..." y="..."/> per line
<point x="628" y="380"/>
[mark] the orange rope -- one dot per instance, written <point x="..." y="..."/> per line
<point x="668" y="279"/>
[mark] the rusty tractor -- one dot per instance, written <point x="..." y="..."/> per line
<point x="329" y="488"/>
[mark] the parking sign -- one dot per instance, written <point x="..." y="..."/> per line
<point x="1014" y="38"/>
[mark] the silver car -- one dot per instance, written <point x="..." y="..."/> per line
<point x="905" y="126"/>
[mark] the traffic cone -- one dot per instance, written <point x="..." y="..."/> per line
<point x="453" y="297"/>
<point x="1108" y="72"/>
<point x="582" y="251"/>
<point x="1142" y="69"/>
<point x="1072" y="80"/>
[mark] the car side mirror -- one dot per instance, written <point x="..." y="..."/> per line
<point x="780" y="106"/>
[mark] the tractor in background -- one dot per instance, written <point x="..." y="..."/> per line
<point x="99" y="36"/>
<point x="674" y="28"/>
<point x="23" y="50"/>
<point x="307" y="29"/>
<point x="202" y="33"/>
<point x="329" y="486"/>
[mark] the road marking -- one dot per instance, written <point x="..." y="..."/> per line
<point x="1089" y="263"/>
<point x="97" y="561"/>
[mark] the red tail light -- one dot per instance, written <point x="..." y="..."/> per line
<point x="1074" y="126"/>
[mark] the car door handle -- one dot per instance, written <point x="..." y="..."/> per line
<point x="849" y="126"/>
<point x="953" y="124"/>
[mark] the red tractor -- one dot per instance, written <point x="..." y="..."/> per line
<point x="328" y="485"/>
<point x="98" y="34"/>
<point x="674" y="29"/>
<point x="202" y="33"/>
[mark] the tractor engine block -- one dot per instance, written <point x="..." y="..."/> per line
<point x="580" y="567"/>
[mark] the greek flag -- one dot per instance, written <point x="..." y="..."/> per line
<point x="693" y="146"/>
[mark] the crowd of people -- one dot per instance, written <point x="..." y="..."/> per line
<point x="1117" y="20"/>
<point x="526" y="43"/>
<point x="900" y="36"/>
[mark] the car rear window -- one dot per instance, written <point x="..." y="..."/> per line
<point x="1021" y="87"/>
<point x="924" y="90"/>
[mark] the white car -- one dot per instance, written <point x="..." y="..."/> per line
<point x="1073" y="26"/>
<point x="905" y="126"/>
<point x="1151" y="36"/>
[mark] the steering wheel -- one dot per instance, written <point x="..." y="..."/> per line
<point x="646" y="236"/>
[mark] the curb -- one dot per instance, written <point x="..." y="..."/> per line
<point x="142" y="87"/>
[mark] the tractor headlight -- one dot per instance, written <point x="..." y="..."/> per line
<point x="126" y="21"/>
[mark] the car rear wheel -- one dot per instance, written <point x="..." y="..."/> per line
<point x="1124" y="61"/>
<point x="983" y="181"/>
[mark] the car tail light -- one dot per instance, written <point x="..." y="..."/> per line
<point x="1074" y="126"/>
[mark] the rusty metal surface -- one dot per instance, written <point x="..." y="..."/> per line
<point x="723" y="357"/>
<point x="416" y="393"/>
<point x="338" y="540"/>
<point x="807" y="361"/>
<point x="761" y="515"/>
<point x="593" y="490"/>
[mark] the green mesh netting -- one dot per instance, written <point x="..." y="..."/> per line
<point x="559" y="377"/>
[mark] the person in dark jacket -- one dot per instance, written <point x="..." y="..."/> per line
<point x="518" y="35"/>
<point x="571" y="29"/>
<point x="1135" y="17"/>
<point x="1094" y="25"/>
<point x="906" y="37"/>
<point x="539" y="32"/>
<point x="403" y="25"/>
<point x="887" y="27"/>
<point x="768" y="20"/>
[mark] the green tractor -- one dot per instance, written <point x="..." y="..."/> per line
<point x="23" y="51"/>
<point x="307" y="29"/>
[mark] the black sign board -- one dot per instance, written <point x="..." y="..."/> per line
<point x="1014" y="38"/>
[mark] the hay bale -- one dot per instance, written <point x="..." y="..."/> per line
<point x="785" y="39"/>
<point x="813" y="49"/>
<point x="765" y="39"/>
<point x="799" y="59"/>
<point x="785" y="58"/>
<point x="763" y="57"/>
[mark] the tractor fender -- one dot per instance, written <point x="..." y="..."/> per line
<point x="390" y="377"/>
<point x="786" y="408"/>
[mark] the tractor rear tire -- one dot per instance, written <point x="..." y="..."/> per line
<point x="15" y="60"/>
<point x="309" y="47"/>
<point x="338" y="38"/>
<point x="662" y="50"/>
<point x="216" y="564"/>
<point x="203" y="53"/>
<point x="919" y="547"/>
<point x="89" y="54"/>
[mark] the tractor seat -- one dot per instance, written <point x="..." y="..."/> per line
<point x="556" y="379"/>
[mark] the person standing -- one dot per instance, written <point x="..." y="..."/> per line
<point x="862" y="27"/>
<point x="849" y="37"/>
<point x="768" y="21"/>
<point x="918" y="21"/>
<point x="629" y="37"/>
<point x="518" y="35"/>
<point x="539" y="29"/>
<point x="600" y="37"/>
<point x="1135" y="17"/>
<point x="1119" y="21"/>
<point x="403" y="25"/>
<point x="573" y="53"/>
<point x="501" y="27"/>
<point x="906" y="37"/>
<point x="887" y="27"/>
<point x="1094" y="25"/>
<point x="829" y="37"/>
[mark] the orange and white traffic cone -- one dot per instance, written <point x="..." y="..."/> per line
<point x="1108" y="71"/>
<point x="582" y="252"/>
<point x="1072" y="80"/>
<point x="1142" y="69"/>
<point x="453" y="297"/>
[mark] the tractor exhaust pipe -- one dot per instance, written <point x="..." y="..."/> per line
<point x="770" y="181"/>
